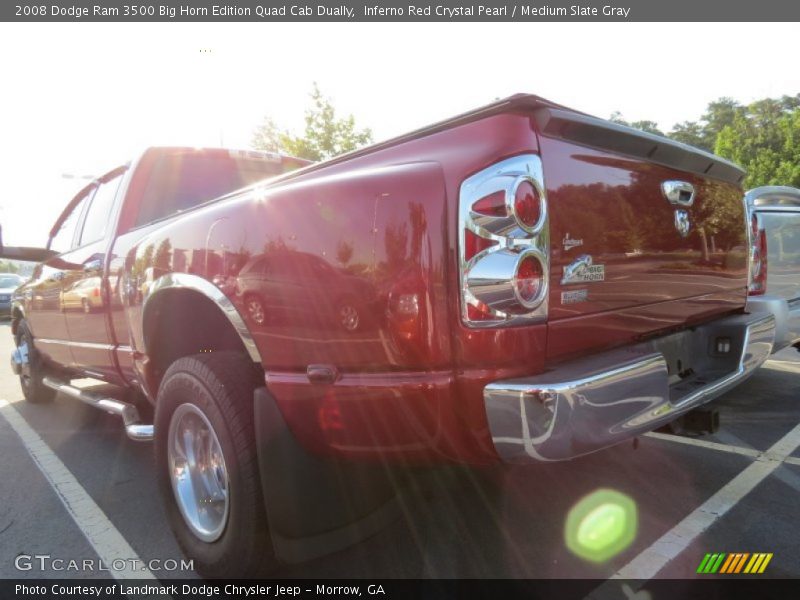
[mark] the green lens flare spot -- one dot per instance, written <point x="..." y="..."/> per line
<point x="601" y="525"/>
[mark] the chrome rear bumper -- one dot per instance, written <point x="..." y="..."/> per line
<point x="599" y="401"/>
<point x="787" y="318"/>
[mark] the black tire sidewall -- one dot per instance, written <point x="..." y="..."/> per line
<point x="36" y="390"/>
<point x="240" y="539"/>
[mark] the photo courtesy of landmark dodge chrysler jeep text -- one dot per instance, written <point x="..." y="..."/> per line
<point x="520" y="283"/>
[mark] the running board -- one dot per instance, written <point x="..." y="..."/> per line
<point x="134" y="428"/>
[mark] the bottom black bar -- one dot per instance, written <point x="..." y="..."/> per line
<point x="712" y="588"/>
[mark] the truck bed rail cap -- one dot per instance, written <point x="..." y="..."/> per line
<point x="774" y="196"/>
<point x="556" y="120"/>
<point x="606" y="135"/>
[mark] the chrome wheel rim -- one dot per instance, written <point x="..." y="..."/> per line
<point x="198" y="472"/>
<point x="25" y="369"/>
<point x="256" y="311"/>
<point x="349" y="317"/>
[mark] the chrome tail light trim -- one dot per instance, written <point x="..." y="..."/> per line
<point x="487" y="278"/>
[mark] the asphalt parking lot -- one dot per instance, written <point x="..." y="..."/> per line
<point x="735" y="491"/>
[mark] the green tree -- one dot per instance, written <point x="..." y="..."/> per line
<point x="648" y="126"/>
<point x="702" y="133"/>
<point x="268" y="137"/>
<point x="7" y="266"/>
<point x="326" y="135"/>
<point x="344" y="252"/>
<point x="764" y="138"/>
<point x="690" y="132"/>
<point x="719" y="114"/>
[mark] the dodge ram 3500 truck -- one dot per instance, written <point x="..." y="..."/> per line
<point x="520" y="283"/>
<point x="774" y="213"/>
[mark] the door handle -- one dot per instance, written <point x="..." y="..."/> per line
<point x="92" y="266"/>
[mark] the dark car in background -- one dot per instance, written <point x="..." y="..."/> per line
<point x="300" y="289"/>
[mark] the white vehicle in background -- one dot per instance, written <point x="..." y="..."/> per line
<point x="774" y="213"/>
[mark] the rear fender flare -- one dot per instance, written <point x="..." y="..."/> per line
<point x="186" y="281"/>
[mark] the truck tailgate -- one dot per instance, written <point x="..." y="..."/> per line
<point x="638" y="245"/>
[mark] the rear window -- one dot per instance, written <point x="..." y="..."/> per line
<point x="182" y="180"/>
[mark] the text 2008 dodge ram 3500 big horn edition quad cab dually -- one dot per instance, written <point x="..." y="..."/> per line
<point x="520" y="283"/>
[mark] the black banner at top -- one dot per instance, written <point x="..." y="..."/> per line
<point x="398" y="10"/>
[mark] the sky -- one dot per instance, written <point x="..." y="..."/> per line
<point x="81" y="98"/>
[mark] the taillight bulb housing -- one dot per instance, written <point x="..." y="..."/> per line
<point x="527" y="205"/>
<point x="528" y="280"/>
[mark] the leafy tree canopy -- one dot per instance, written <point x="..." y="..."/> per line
<point x="763" y="137"/>
<point x="326" y="134"/>
<point x="648" y="126"/>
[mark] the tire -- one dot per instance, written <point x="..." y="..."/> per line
<point x="30" y="380"/>
<point x="213" y="391"/>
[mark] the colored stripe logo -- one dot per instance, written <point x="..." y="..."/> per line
<point x="734" y="563"/>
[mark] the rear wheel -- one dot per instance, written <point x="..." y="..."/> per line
<point x="207" y="464"/>
<point x="32" y="370"/>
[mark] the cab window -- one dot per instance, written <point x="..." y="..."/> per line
<point x="64" y="239"/>
<point x="98" y="217"/>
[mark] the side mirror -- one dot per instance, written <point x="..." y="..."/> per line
<point x="24" y="252"/>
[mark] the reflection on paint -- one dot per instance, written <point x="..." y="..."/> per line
<point x="601" y="525"/>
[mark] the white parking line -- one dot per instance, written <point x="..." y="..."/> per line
<point x="791" y="363"/>
<point x="704" y="444"/>
<point x="779" y="365"/>
<point x="647" y="564"/>
<point x="112" y="549"/>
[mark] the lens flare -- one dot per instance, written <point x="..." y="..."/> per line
<point x="601" y="525"/>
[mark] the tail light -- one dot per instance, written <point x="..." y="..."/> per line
<point x="528" y="280"/>
<point x="96" y="292"/>
<point x="504" y="247"/>
<point x="527" y="205"/>
<point x="758" y="258"/>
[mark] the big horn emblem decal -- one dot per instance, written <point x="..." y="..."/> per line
<point x="681" y="195"/>
<point x="581" y="270"/>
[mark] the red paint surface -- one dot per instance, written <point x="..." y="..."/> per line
<point x="378" y="232"/>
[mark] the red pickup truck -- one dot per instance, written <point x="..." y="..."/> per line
<point x="520" y="283"/>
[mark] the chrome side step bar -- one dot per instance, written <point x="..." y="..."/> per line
<point x="134" y="428"/>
